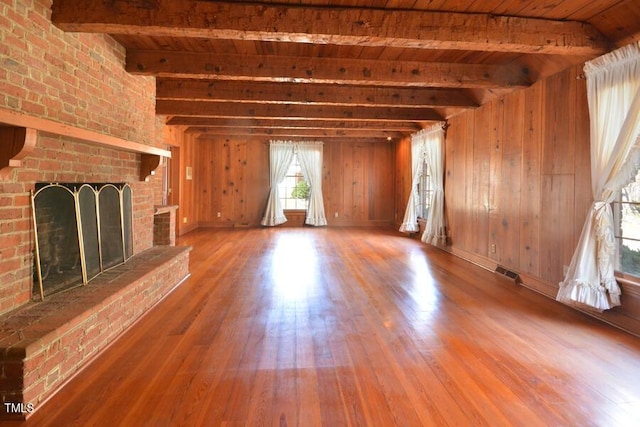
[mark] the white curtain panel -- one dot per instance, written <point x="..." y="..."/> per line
<point x="280" y="157"/>
<point x="310" y="158"/>
<point x="410" y="220"/>
<point x="434" y="232"/>
<point x="613" y="91"/>
<point x="427" y="145"/>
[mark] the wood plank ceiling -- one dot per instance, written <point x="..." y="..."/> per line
<point x="345" y="68"/>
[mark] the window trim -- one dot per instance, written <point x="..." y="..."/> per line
<point x="627" y="278"/>
<point x="423" y="205"/>
<point x="283" y="197"/>
<point x="616" y="208"/>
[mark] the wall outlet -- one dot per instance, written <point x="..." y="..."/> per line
<point x="493" y="248"/>
<point x="219" y="214"/>
<point x="184" y="220"/>
<point x="335" y="215"/>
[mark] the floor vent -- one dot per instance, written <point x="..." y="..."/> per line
<point x="510" y="274"/>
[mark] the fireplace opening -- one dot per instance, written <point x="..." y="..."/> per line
<point x="81" y="231"/>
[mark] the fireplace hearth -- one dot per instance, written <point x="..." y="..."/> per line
<point x="82" y="230"/>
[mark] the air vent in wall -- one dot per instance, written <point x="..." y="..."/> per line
<point x="510" y="274"/>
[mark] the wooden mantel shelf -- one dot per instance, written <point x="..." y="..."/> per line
<point x="18" y="135"/>
<point x="161" y="209"/>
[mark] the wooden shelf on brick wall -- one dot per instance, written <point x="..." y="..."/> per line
<point x="18" y="135"/>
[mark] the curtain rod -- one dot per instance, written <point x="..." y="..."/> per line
<point x="276" y="141"/>
<point x="437" y="126"/>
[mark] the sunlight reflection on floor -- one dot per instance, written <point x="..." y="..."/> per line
<point x="621" y="414"/>
<point x="423" y="291"/>
<point x="294" y="268"/>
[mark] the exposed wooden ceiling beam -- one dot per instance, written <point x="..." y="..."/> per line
<point x="266" y="139"/>
<point x="292" y="112"/>
<point x="323" y="70"/>
<point x="285" y="123"/>
<point x="329" y="25"/>
<point x="299" y="133"/>
<point x="310" y="94"/>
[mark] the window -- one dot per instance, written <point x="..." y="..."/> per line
<point x="294" y="189"/>
<point x="424" y="192"/>
<point x="626" y="212"/>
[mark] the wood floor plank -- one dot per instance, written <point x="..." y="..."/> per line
<point x="351" y="327"/>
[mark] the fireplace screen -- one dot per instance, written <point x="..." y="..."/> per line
<point x="81" y="231"/>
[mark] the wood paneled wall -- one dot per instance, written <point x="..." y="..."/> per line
<point x="403" y="178"/>
<point x="358" y="182"/>
<point x="517" y="177"/>
<point x="231" y="177"/>
<point x="233" y="181"/>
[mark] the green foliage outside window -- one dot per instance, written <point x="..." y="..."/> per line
<point x="630" y="261"/>
<point x="302" y="190"/>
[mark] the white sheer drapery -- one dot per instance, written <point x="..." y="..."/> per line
<point x="310" y="158"/>
<point x="410" y="220"/>
<point x="427" y="145"/>
<point x="434" y="232"/>
<point x="613" y="91"/>
<point x="280" y="157"/>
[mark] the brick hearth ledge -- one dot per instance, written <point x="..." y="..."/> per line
<point x="44" y="344"/>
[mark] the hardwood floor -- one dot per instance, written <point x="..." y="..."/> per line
<point x="352" y="327"/>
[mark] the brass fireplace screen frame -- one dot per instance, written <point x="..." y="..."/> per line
<point x="79" y="224"/>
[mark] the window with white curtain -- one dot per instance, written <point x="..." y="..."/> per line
<point x="613" y="94"/>
<point x="295" y="172"/>
<point x="626" y="211"/>
<point x="426" y="199"/>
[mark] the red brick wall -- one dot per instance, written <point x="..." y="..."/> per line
<point x="70" y="77"/>
<point x="78" y="79"/>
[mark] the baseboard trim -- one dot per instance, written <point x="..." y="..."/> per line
<point x="625" y="317"/>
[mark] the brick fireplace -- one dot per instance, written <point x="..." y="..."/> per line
<point x="45" y="343"/>
<point x="92" y="122"/>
